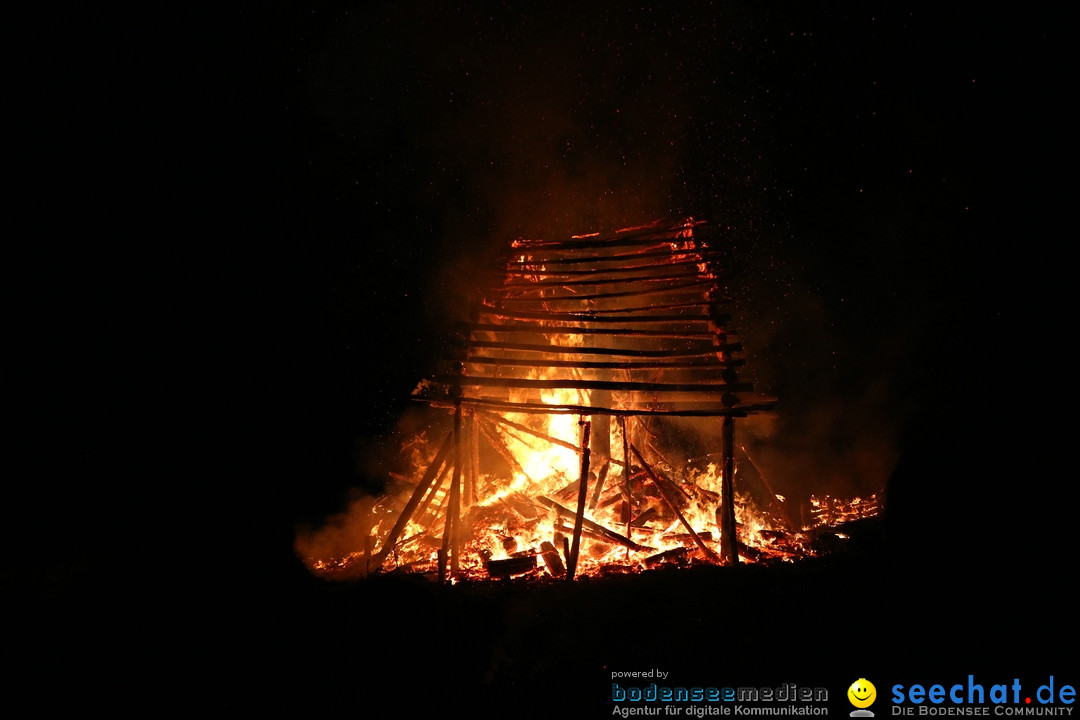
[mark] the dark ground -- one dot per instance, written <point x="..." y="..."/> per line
<point x="235" y="229"/>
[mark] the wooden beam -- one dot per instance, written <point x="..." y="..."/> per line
<point x="596" y="317"/>
<point x="703" y="349"/>
<point x="537" y="328"/>
<point x="579" y="516"/>
<point x="704" y="363"/>
<point x="626" y="267"/>
<point x="635" y="292"/>
<point x="555" y="281"/>
<point x="650" y="236"/>
<point x="729" y="544"/>
<point x="702" y="409"/>
<point x="575" y="384"/>
<point x="562" y="259"/>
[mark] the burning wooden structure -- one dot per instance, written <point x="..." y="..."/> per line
<point x="582" y="348"/>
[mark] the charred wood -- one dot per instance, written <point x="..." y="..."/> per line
<point x="678" y="556"/>
<point x="576" y="384"/>
<point x="702" y="351"/>
<point x="510" y="566"/>
<point x="608" y="534"/>
<point x="700" y="409"/>
<point x="644" y="518"/>
<point x="702" y="363"/>
<point x="600" y="478"/>
<point x="571" y="316"/>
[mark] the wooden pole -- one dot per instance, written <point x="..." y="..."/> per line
<point x="474" y="456"/>
<point x="729" y="548"/>
<point x="469" y="426"/>
<point x="626" y="479"/>
<point x="451" y="535"/>
<point x="583" y="497"/>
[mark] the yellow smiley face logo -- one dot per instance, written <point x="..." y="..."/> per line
<point x="862" y="693"/>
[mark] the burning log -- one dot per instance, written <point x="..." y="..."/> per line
<point x="601" y="476"/>
<point x="678" y="555"/>
<point x="551" y="559"/>
<point x="570" y="491"/>
<point x="610" y="535"/>
<point x="749" y="552"/>
<point x="514" y="565"/>
<point x="522" y="506"/>
<point x="687" y="537"/>
<point x="642" y="520"/>
<point x="586" y="531"/>
<point x="689" y="528"/>
<point x="615" y="496"/>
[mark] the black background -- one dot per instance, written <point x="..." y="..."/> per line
<point x="239" y="234"/>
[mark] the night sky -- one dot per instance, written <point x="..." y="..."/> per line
<point x="249" y="230"/>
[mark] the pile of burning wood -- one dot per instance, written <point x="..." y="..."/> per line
<point x="565" y="393"/>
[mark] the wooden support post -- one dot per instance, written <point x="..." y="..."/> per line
<point x="469" y="428"/>
<point x="626" y="479"/>
<point x="583" y="496"/>
<point x="451" y="535"/>
<point x="474" y="455"/>
<point x="729" y="544"/>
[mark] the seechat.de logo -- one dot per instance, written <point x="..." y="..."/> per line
<point x="862" y="694"/>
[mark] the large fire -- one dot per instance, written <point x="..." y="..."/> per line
<point x="564" y="459"/>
